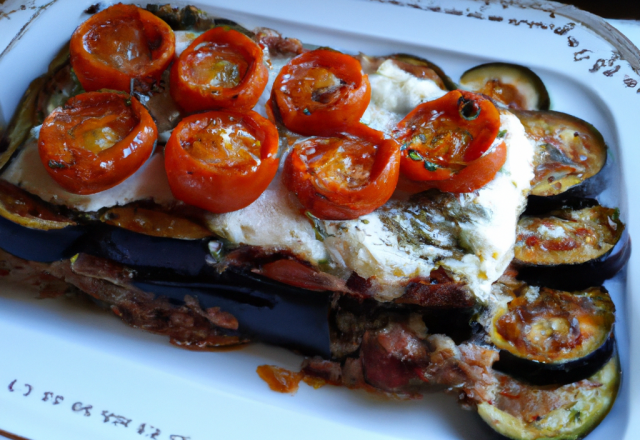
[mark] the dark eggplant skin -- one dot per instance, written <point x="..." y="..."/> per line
<point x="538" y="373"/>
<point x="579" y="276"/>
<point x="266" y="311"/>
<point x="44" y="246"/>
<point x="537" y="205"/>
<point x="153" y="257"/>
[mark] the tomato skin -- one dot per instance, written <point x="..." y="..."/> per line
<point x="81" y="171"/>
<point x="95" y="70"/>
<point x="473" y="177"/>
<point x="338" y="201"/>
<point x="194" y="97"/>
<point x="443" y="136"/>
<point x="223" y="187"/>
<point x="293" y="99"/>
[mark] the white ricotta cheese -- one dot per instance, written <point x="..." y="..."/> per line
<point x="487" y="230"/>
<point x="394" y="93"/>
<point x="275" y="221"/>
<point x="473" y="239"/>
<point x="551" y="232"/>
<point x="184" y="39"/>
<point x="148" y="183"/>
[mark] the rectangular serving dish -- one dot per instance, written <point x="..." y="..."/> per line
<point x="71" y="371"/>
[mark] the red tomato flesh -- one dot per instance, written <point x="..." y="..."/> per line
<point x="221" y="161"/>
<point x="119" y="44"/>
<point x="96" y="141"/>
<point x="441" y="137"/>
<point x="343" y="176"/>
<point x="222" y="68"/>
<point x="321" y="92"/>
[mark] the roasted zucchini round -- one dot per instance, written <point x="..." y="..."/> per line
<point x="568" y="412"/>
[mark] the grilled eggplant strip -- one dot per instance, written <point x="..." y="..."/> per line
<point x="570" y="153"/>
<point x="570" y="248"/>
<point x="416" y="66"/>
<point x="511" y="85"/>
<point x="548" y="336"/>
<point x="568" y="236"/>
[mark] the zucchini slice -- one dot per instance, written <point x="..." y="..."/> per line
<point x="569" y="412"/>
<point x="553" y="337"/>
<point x="512" y="85"/>
<point x="569" y="153"/>
<point x="571" y="249"/>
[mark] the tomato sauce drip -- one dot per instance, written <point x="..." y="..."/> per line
<point x="280" y="379"/>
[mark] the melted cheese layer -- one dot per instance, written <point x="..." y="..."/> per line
<point x="472" y="235"/>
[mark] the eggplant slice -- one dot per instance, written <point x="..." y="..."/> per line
<point x="418" y="67"/>
<point x="569" y="412"/>
<point x="512" y="85"/>
<point x="549" y="336"/>
<point x="569" y="153"/>
<point x="571" y="249"/>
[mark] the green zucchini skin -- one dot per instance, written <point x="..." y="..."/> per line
<point x="584" y="411"/>
<point x="492" y="78"/>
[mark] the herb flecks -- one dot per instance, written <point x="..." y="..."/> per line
<point x="318" y="226"/>
<point x="414" y="155"/>
<point x="57" y="165"/>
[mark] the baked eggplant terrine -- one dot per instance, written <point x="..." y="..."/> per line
<point x="221" y="185"/>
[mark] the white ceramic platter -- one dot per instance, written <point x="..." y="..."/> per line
<point x="70" y="371"/>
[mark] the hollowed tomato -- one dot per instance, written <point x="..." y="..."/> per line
<point x="119" y="44"/>
<point x="221" y="161"/>
<point x="343" y="176"/>
<point x="445" y="142"/>
<point x="222" y="68"/>
<point x="96" y="141"/>
<point x="320" y="92"/>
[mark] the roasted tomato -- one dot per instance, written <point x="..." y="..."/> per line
<point x="344" y="176"/>
<point x="221" y="161"/>
<point x="320" y="93"/>
<point x="445" y="142"/>
<point x="120" y="44"/>
<point x="96" y="141"/>
<point x="222" y="68"/>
